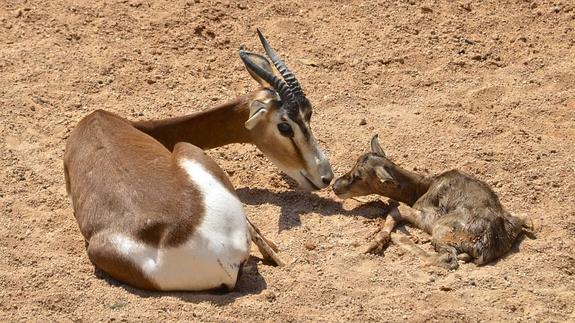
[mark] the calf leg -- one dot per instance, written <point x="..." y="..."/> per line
<point x="422" y="219"/>
<point x="382" y="237"/>
<point x="397" y="214"/>
<point x="446" y="259"/>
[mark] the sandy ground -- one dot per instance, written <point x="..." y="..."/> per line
<point x="484" y="86"/>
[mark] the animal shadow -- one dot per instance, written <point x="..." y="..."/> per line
<point x="250" y="282"/>
<point x="295" y="203"/>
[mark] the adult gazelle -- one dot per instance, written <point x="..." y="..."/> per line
<point x="158" y="213"/>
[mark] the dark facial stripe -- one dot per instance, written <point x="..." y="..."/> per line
<point x="303" y="128"/>
<point x="298" y="151"/>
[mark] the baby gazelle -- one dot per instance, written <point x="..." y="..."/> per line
<point x="462" y="214"/>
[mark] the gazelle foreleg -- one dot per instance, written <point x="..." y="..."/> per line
<point x="382" y="237"/>
<point x="267" y="248"/>
<point x="446" y="259"/>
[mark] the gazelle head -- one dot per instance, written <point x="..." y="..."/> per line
<point x="279" y="121"/>
<point x="372" y="173"/>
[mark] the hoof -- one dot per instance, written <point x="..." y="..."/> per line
<point x="447" y="261"/>
<point x="464" y="257"/>
<point x="378" y="246"/>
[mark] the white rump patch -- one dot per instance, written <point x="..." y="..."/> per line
<point x="213" y="254"/>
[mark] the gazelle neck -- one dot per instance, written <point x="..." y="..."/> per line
<point x="412" y="186"/>
<point x="207" y="129"/>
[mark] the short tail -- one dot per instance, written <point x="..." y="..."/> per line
<point x="528" y="225"/>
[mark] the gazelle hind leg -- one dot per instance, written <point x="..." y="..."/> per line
<point x="405" y="243"/>
<point x="267" y="248"/>
<point x="106" y="257"/>
<point x="444" y="259"/>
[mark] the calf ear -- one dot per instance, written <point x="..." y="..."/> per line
<point x="376" y="147"/>
<point x="383" y="175"/>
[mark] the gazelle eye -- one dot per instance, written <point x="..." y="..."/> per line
<point x="285" y="129"/>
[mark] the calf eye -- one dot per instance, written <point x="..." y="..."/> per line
<point x="285" y="129"/>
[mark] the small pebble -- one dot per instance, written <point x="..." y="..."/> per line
<point x="465" y="6"/>
<point x="309" y="245"/>
<point x="269" y="296"/>
<point x="362" y="122"/>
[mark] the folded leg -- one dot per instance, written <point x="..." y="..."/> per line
<point x="267" y="248"/>
<point x="445" y="258"/>
<point x="382" y="238"/>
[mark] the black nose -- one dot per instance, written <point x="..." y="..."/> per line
<point x="326" y="179"/>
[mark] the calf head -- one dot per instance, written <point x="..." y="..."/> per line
<point x="373" y="173"/>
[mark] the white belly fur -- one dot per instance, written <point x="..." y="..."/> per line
<point x="213" y="254"/>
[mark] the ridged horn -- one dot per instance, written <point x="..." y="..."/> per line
<point x="278" y="84"/>
<point x="288" y="76"/>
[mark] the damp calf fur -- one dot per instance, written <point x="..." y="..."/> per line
<point x="462" y="214"/>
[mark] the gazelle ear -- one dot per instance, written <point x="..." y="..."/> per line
<point x="258" y="62"/>
<point x="383" y="175"/>
<point x="258" y="110"/>
<point x="376" y="147"/>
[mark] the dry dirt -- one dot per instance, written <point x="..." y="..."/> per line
<point x="484" y="86"/>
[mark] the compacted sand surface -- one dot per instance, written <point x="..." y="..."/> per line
<point x="484" y="86"/>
